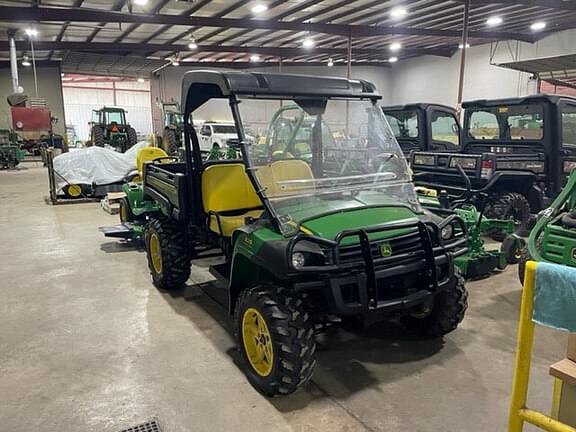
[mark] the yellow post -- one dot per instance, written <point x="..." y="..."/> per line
<point x="556" y="398"/>
<point x="523" y="351"/>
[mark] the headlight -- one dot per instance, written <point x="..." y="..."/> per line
<point x="447" y="232"/>
<point x="423" y="160"/>
<point x="298" y="260"/>
<point x="464" y="162"/>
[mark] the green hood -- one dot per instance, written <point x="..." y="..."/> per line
<point x="329" y="226"/>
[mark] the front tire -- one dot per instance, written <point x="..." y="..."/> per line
<point x="168" y="254"/>
<point x="170" y="142"/>
<point x="276" y="339"/>
<point x="126" y="214"/>
<point x="447" y="312"/>
<point x="512" y="247"/>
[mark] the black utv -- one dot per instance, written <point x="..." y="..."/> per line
<point x="523" y="147"/>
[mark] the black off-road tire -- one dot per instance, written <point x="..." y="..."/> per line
<point x="506" y="205"/>
<point x="175" y="254"/>
<point x="132" y="137"/>
<point x="170" y="142"/>
<point x="126" y="214"/>
<point x="512" y="248"/>
<point x="97" y="136"/>
<point x="292" y="334"/>
<point x="447" y="312"/>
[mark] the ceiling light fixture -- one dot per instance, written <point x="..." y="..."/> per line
<point x="462" y="46"/>
<point x="31" y="32"/>
<point x="175" y="60"/>
<point x="398" y="13"/>
<point x="259" y="8"/>
<point x="254" y="58"/>
<point x="308" y="43"/>
<point x="140" y="80"/>
<point x="395" y="46"/>
<point x="330" y="62"/>
<point x="393" y="59"/>
<point x="192" y="45"/>
<point x="494" y="21"/>
<point x="538" y="25"/>
<point x="25" y="61"/>
<point x="140" y="2"/>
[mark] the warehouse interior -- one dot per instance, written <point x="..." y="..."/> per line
<point x="296" y="215"/>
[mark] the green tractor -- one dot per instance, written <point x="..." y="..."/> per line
<point x="303" y="238"/>
<point x="553" y="238"/>
<point x="110" y="127"/>
<point x="173" y="132"/>
<point x="478" y="261"/>
<point x="11" y="152"/>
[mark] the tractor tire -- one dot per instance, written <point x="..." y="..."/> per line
<point x="126" y="214"/>
<point x="522" y="264"/>
<point x="512" y="248"/>
<point x="170" y="143"/>
<point x="447" y="312"/>
<point x="132" y="137"/>
<point x="506" y="205"/>
<point x="97" y="136"/>
<point x="168" y="253"/>
<point x="276" y="339"/>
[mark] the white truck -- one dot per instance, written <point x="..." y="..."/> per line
<point x="219" y="133"/>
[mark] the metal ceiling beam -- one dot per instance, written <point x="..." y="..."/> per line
<point x="23" y="14"/>
<point x="272" y="51"/>
<point x="550" y="4"/>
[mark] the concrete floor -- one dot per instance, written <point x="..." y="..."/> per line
<point x="87" y="343"/>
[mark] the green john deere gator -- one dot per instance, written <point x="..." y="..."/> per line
<point x="327" y="227"/>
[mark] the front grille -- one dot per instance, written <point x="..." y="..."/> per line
<point x="151" y="426"/>
<point x="410" y="244"/>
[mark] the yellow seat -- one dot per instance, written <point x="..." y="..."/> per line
<point x="148" y="154"/>
<point x="228" y="196"/>
<point x="277" y="176"/>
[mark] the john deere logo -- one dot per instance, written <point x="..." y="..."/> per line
<point x="385" y="249"/>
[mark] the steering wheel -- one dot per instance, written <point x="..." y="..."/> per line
<point x="159" y="160"/>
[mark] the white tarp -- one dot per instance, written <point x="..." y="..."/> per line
<point x="98" y="165"/>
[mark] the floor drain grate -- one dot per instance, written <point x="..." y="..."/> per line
<point x="151" y="426"/>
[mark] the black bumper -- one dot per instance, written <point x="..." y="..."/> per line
<point x="378" y="285"/>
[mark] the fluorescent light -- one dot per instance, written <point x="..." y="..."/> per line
<point x="192" y="45"/>
<point x="308" y="43"/>
<point x="140" y="2"/>
<point x="330" y="62"/>
<point x="538" y="25"/>
<point x="31" y="32"/>
<point x="395" y="46"/>
<point x="254" y="58"/>
<point x="398" y="13"/>
<point x="175" y="61"/>
<point x="140" y="80"/>
<point x="462" y="46"/>
<point x="25" y="61"/>
<point x="393" y="59"/>
<point x="259" y="8"/>
<point x="494" y="21"/>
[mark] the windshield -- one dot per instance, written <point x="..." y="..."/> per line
<point x="404" y="124"/>
<point x="224" y="129"/>
<point x="315" y="157"/>
<point x="115" y="117"/>
<point x="514" y="122"/>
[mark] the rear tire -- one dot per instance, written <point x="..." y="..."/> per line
<point x="168" y="254"/>
<point x="97" y="136"/>
<point x="506" y="205"/>
<point x="132" y="137"/>
<point x="126" y="214"/>
<point x="447" y="313"/>
<point x="512" y="248"/>
<point x="170" y="143"/>
<point x="287" y="337"/>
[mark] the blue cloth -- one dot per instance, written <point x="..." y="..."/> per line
<point x="555" y="296"/>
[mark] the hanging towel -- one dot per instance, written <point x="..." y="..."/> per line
<point x="555" y="296"/>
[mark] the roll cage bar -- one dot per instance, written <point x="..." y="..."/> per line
<point x="198" y="87"/>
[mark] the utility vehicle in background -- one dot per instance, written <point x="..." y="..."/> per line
<point x="110" y="127"/>
<point x="528" y="144"/>
<point x="173" y="132"/>
<point x="424" y="127"/>
<point x="216" y="135"/>
<point x="303" y="237"/>
<point x="11" y="152"/>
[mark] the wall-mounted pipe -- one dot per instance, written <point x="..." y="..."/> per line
<point x="14" y="63"/>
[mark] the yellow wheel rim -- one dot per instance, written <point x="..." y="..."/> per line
<point x="155" y="253"/>
<point x="74" y="190"/>
<point x="257" y="342"/>
<point x="123" y="213"/>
